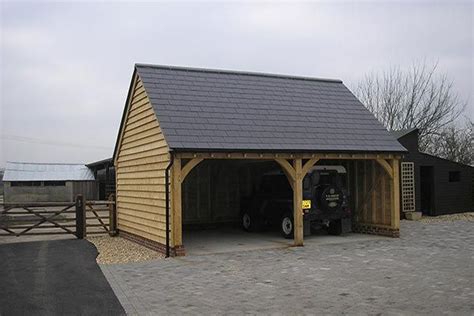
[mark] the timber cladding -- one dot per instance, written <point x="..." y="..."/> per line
<point x="140" y="164"/>
<point x="372" y="193"/>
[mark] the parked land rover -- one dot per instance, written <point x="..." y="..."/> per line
<point x="325" y="201"/>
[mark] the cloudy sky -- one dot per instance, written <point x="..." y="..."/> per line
<point x="66" y="67"/>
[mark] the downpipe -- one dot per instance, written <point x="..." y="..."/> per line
<point x="167" y="197"/>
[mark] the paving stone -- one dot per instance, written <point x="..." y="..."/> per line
<point x="429" y="270"/>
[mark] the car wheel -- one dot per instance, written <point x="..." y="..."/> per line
<point x="247" y="222"/>
<point x="287" y="226"/>
<point x="335" y="227"/>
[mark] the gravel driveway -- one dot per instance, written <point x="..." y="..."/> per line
<point x="430" y="270"/>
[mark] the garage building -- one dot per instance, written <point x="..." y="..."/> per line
<point x="208" y="134"/>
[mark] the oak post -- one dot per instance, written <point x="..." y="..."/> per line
<point x="297" y="202"/>
<point x="373" y="204"/>
<point x="176" y="214"/>
<point x="395" y="209"/>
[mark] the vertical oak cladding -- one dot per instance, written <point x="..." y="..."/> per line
<point x="142" y="159"/>
<point x="372" y="193"/>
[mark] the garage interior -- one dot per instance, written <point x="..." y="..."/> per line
<point x="213" y="191"/>
<point x="212" y="196"/>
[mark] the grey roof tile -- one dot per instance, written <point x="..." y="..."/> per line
<point x="214" y="109"/>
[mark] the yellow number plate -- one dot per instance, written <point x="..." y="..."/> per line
<point x="306" y="204"/>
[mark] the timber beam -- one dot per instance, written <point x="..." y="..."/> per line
<point x="271" y="156"/>
<point x="386" y="166"/>
<point x="287" y="169"/>
<point x="308" y="164"/>
<point x="188" y="167"/>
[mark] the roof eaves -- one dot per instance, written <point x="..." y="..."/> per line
<point x="444" y="159"/>
<point x="235" y="150"/>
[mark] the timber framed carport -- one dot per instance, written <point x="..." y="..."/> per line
<point x="175" y="118"/>
<point x="295" y="167"/>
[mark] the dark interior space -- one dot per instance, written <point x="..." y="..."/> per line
<point x="213" y="191"/>
<point x="216" y="194"/>
<point x="427" y="190"/>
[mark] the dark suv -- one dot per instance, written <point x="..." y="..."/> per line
<point x="325" y="201"/>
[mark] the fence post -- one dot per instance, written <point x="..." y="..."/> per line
<point x="80" y="217"/>
<point x="112" y="216"/>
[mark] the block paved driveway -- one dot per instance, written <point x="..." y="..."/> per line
<point x="427" y="271"/>
<point x="56" y="277"/>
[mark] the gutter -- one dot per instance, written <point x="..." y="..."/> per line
<point x="167" y="196"/>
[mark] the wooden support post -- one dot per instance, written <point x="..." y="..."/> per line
<point x="112" y="216"/>
<point x="364" y="206"/>
<point x="356" y="192"/>
<point x="176" y="214"/>
<point x="395" y="205"/>
<point x="298" y="201"/>
<point x="373" y="204"/>
<point x="384" y="199"/>
<point x="81" y="231"/>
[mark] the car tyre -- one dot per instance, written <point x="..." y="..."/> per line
<point x="335" y="228"/>
<point x="249" y="222"/>
<point x="287" y="225"/>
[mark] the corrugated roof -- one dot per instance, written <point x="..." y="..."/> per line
<point x="202" y="109"/>
<point x="25" y="171"/>
<point x="402" y="132"/>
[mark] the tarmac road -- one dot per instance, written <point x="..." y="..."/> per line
<point x="56" y="277"/>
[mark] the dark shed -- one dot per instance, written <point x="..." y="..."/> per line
<point x="104" y="173"/>
<point x="440" y="186"/>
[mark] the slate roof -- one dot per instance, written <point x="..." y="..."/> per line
<point x="402" y="132"/>
<point x="26" y="171"/>
<point x="204" y="109"/>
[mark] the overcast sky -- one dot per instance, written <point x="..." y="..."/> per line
<point x="66" y="68"/>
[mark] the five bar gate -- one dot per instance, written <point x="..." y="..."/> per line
<point x="79" y="218"/>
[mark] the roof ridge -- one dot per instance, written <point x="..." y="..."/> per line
<point x="238" y="72"/>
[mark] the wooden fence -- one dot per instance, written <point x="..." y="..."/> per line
<point x="80" y="218"/>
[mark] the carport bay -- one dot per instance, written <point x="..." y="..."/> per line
<point x="213" y="184"/>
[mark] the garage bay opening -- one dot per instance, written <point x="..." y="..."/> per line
<point x="248" y="204"/>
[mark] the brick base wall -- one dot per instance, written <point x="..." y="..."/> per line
<point x="153" y="245"/>
<point x="375" y="230"/>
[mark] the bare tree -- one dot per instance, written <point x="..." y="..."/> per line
<point x="453" y="143"/>
<point x="417" y="98"/>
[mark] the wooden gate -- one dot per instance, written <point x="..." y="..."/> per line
<point x="52" y="218"/>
